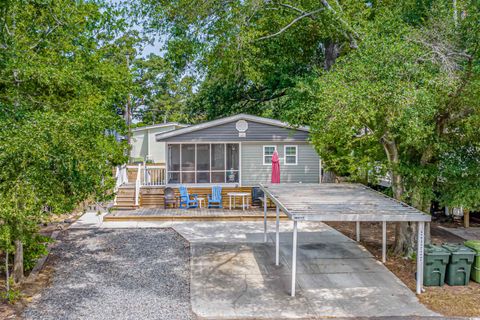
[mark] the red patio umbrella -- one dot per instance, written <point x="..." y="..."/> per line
<point x="275" y="168"/>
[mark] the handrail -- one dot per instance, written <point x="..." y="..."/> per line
<point x="138" y="184"/>
<point x="120" y="176"/>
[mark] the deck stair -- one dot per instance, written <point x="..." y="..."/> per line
<point x="126" y="197"/>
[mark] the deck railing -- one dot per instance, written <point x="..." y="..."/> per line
<point x="144" y="175"/>
<point x="138" y="184"/>
<point x="153" y="176"/>
<point x="120" y="176"/>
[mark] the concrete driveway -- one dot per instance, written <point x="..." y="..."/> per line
<point x="233" y="275"/>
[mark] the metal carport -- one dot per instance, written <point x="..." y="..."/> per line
<point x="340" y="202"/>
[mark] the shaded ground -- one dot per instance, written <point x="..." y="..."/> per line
<point x="30" y="287"/>
<point x="447" y="300"/>
<point x="234" y="274"/>
<point x="116" y="274"/>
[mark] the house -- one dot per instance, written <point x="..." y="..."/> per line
<point x="238" y="150"/>
<point x="234" y="152"/>
<point x="144" y="145"/>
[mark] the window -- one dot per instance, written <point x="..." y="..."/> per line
<point x="232" y="162"/>
<point x="203" y="163"/>
<point x="268" y="153"/>
<point x="291" y="155"/>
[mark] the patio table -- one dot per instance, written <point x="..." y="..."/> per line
<point x="238" y="194"/>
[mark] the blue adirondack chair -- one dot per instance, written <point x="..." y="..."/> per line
<point x="215" y="199"/>
<point x="187" y="200"/>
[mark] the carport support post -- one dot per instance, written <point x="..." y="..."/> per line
<point x="357" y="231"/>
<point x="420" y="249"/>
<point x="264" y="217"/>
<point x="384" y="241"/>
<point x="277" y="238"/>
<point x="294" y="257"/>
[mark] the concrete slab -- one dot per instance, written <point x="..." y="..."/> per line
<point x="246" y="296"/>
<point x="119" y="225"/>
<point x="154" y="224"/>
<point x="233" y="276"/>
<point x="89" y="220"/>
<point x="465" y="233"/>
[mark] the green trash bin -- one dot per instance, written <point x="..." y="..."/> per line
<point x="458" y="269"/>
<point x="475" y="273"/>
<point x="435" y="263"/>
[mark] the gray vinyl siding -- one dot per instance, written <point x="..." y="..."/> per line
<point x="254" y="171"/>
<point x="256" y="132"/>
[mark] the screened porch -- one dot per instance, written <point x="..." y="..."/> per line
<point x="203" y="163"/>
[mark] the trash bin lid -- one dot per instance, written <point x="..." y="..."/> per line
<point x="435" y="250"/>
<point x="474" y="244"/>
<point x="457" y="248"/>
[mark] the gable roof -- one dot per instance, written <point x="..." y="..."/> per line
<point x="160" y="125"/>
<point x="213" y="123"/>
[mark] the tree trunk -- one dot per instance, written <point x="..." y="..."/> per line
<point x="7" y="274"/>
<point x="332" y="51"/>
<point x="422" y="203"/>
<point x="18" y="262"/>
<point x="428" y="233"/>
<point x="405" y="238"/>
<point x="329" y="177"/>
<point x="466" y="219"/>
<point x="404" y="231"/>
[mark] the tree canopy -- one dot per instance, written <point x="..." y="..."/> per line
<point x="386" y="87"/>
<point x="63" y="84"/>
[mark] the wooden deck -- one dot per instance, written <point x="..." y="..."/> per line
<point x="200" y="214"/>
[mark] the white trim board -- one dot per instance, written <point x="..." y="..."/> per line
<point x="160" y="125"/>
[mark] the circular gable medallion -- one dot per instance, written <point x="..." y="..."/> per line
<point x="241" y="125"/>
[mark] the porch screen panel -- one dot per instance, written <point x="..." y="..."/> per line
<point x="203" y="163"/>
<point x="218" y="163"/>
<point x="233" y="158"/>
<point x="218" y="157"/>
<point x="188" y="163"/>
<point x="173" y="163"/>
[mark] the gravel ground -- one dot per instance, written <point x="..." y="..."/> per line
<point x="117" y="274"/>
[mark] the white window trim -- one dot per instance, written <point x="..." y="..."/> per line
<point x="285" y="155"/>
<point x="263" y="157"/>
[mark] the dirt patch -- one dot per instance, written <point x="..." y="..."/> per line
<point x="28" y="290"/>
<point x="30" y="287"/>
<point x="447" y="300"/>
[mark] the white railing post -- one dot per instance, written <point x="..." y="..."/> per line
<point x="138" y="184"/>
<point x="145" y="174"/>
<point x="120" y="176"/>
<point x="117" y="179"/>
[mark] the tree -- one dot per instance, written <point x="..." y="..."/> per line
<point x="63" y="82"/>
<point x="161" y="94"/>
<point x="246" y="54"/>
<point x="386" y="87"/>
<point x="400" y="104"/>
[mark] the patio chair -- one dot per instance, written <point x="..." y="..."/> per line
<point x="169" y="198"/>
<point x="215" y="199"/>
<point x="187" y="200"/>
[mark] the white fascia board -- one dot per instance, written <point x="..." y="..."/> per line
<point x="160" y="125"/>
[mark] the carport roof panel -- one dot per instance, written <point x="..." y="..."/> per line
<point x="339" y="202"/>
